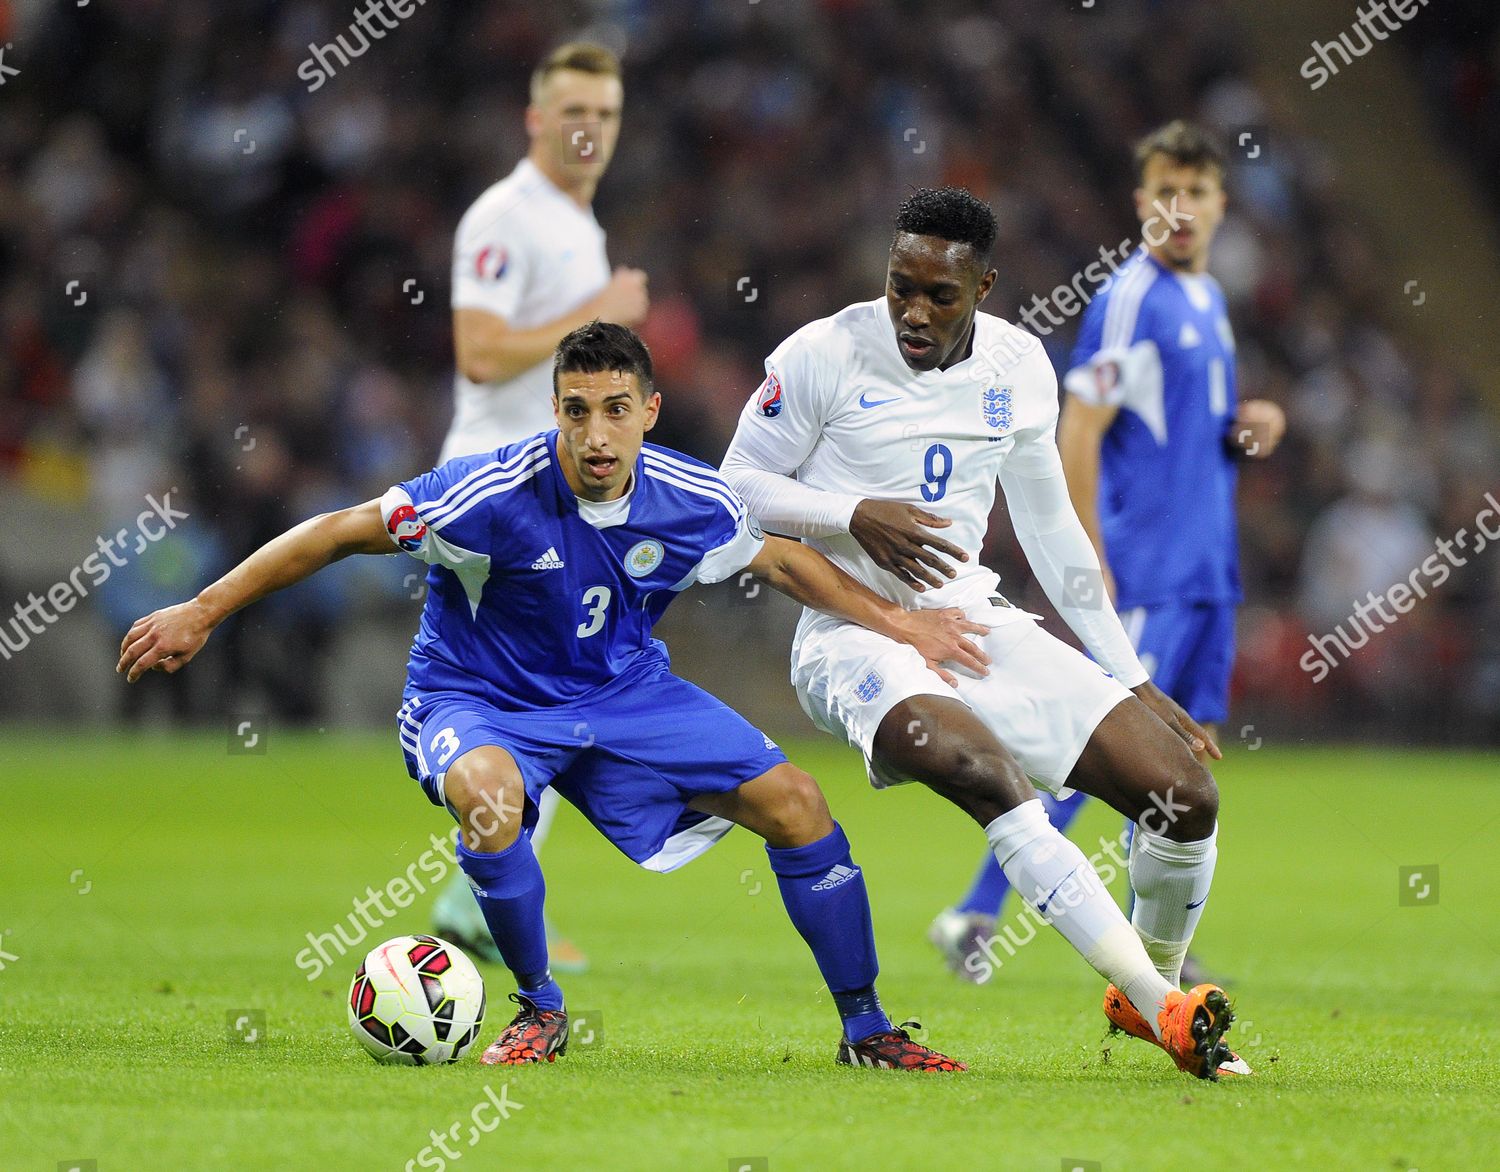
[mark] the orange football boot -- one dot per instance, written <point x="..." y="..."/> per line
<point x="1193" y="1025"/>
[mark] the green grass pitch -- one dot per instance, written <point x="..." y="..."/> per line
<point x="153" y="887"/>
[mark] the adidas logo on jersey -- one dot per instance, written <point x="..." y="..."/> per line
<point x="836" y="877"/>
<point x="548" y="560"/>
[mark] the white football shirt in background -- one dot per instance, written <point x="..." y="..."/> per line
<point x="526" y="252"/>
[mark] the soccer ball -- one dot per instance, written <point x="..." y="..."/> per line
<point x="416" y="1001"/>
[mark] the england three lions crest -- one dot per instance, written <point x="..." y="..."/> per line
<point x="995" y="403"/>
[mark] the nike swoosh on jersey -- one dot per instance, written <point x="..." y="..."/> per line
<point x="867" y="403"/>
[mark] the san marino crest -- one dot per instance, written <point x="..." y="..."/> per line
<point x="995" y="403"/>
<point x="644" y="556"/>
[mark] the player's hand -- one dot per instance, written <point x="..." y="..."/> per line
<point x="1178" y="720"/>
<point x="164" y="640"/>
<point x="1259" y="425"/>
<point x="897" y="539"/>
<point x="940" y="636"/>
<point x="624" y="300"/>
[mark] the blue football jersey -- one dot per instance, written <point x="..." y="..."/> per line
<point x="1158" y="346"/>
<point x="536" y="598"/>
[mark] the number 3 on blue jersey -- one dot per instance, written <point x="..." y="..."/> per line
<point x="937" y="466"/>
<point x="595" y="603"/>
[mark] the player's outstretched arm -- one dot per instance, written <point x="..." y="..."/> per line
<point x="804" y="574"/>
<point x="166" y="639"/>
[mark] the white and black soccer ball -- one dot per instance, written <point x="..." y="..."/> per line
<point x="416" y="1001"/>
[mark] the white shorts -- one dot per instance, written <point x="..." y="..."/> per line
<point x="1042" y="698"/>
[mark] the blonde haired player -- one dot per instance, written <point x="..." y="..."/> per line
<point x="529" y="267"/>
<point x="888" y="424"/>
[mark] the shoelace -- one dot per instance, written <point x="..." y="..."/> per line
<point x="529" y="1008"/>
<point x="912" y="1023"/>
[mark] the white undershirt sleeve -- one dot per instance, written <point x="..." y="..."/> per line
<point x="1061" y="554"/>
<point x="785" y="505"/>
<point x="778" y="429"/>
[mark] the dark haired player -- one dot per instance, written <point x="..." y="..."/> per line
<point x="1150" y="433"/>
<point x="529" y="267"/>
<point x="870" y="424"/>
<point x="534" y="666"/>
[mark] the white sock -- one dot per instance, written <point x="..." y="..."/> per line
<point x="1171" y="882"/>
<point x="1051" y="874"/>
<point x="546" y="810"/>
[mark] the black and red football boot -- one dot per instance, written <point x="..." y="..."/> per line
<point x="534" y="1035"/>
<point x="894" y="1049"/>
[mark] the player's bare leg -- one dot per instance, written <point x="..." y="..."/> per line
<point x="955" y="754"/>
<point x="485" y="790"/>
<point x="825" y="897"/>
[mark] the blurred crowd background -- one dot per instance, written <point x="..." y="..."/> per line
<point x="264" y="323"/>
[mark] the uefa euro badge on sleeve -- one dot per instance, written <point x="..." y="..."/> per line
<point x="768" y="401"/>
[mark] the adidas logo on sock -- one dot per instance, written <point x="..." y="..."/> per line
<point x="548" y="560"/>
<point x="836" y="877"/>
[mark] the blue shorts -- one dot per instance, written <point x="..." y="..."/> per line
<point x="1188" y="647"/>
<point x="630" y="758"/>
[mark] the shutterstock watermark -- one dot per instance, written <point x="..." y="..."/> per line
<point x="1090" y="281"/>
<point x="999" y="359"/>
<point x="400" y="891"/>
<point x="492" y="812"/>
<point x="496" y="1108"/>
<point x="1104" y="865"/>
<point x="1431" y="574"/>
<point x="32" y="617"/>
<point x="1320" y="67"/>
<point x="317" y="69"/>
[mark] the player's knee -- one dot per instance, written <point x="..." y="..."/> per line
<point x="798" y="813"/>
<point x="488" y="801"/>
<point x="987" y="771"/>
<point x="1184" y="802"/>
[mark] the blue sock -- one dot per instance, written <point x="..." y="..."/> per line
<point x="990" y="885"/>
<point x="987" y="892"/>
<point x="511" y="893"/>
<point x="825" y="897"/>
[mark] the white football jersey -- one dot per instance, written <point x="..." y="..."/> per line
<point x="526" y="252"/>
<point x="841" y="411"/>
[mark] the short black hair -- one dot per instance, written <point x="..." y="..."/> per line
<point x="1184" y="143"/>
<point x="600" y="346"/>
<point x="949" y="213"/>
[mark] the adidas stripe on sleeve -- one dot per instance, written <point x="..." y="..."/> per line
<point x="440" y="518"/>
